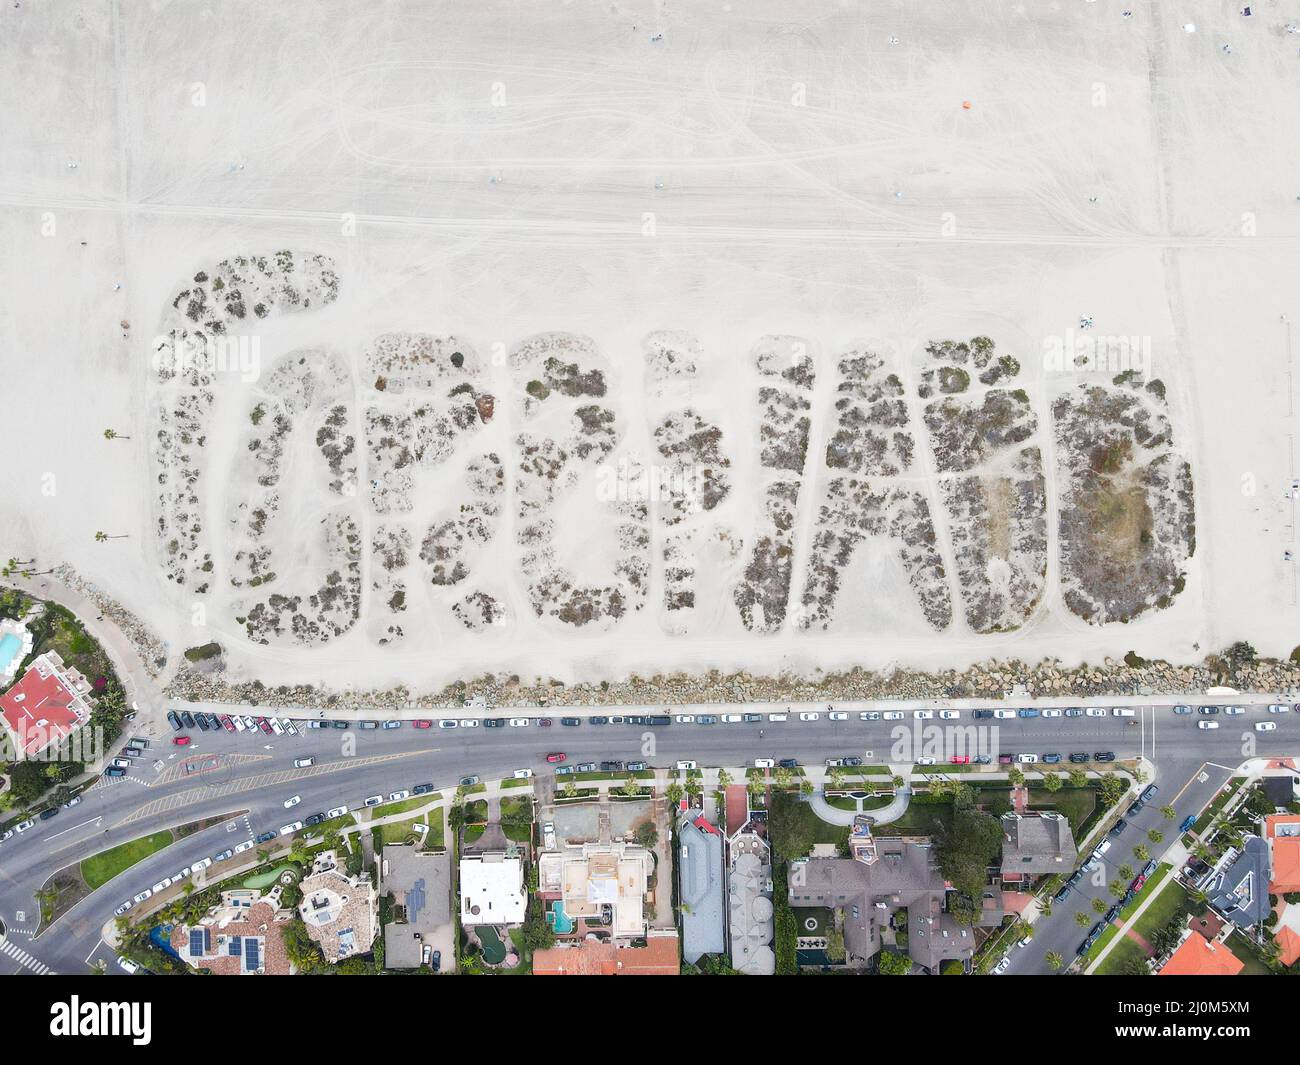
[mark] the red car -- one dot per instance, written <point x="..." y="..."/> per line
<point x="422" y="724"/>
<point x="226" y="723"/>
<point x="1137" y="884"/>
<point x="959" y="759"/>
<point x="265" y="726"/>
<point x="181" y="741"/>
<point x="556" y="756"/>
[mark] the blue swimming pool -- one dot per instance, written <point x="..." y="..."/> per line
<point x="558" y="919"/>
<point x="10" y="647"/>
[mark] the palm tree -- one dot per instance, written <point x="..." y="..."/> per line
<point x="673" y="793"/>
<point x="724" y="780"/>
<point x="1155" y="835"/>
<point x="694" y="786"/>
<point x="112" y="434"/>
<point x="1125" y="872"/>
<point x="1082" y="919"/>
<point x="99" y="967"/>
<point x="1168" y="813"/>
<point x="1078" y="778"/>
<point x="783" y="778"/>
<point x="1141" y="854"/>
<point x="100" y="537"/>
<point x="1099" y="906"/>
<point x="1054" y="960"/>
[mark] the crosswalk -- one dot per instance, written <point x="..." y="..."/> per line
<point x="24" y="959"/>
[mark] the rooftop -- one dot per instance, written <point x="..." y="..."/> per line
<point x="492" y="890"/>
<point x="44" y="707"/>
<point x="1199" y="957"/>
<point x="593" y="958"/>
<point x="702" y="903"/>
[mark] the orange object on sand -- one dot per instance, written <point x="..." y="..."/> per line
<point x="965" y="105"/>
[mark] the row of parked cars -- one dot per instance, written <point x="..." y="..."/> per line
<point x="206" y="722"/>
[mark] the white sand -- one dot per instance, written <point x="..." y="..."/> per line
<point x="771" y="219"/>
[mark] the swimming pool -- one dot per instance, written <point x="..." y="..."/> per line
<point x="494" y="951"/>
<point x="559" y="920"/>
<point x="10" y="647"/>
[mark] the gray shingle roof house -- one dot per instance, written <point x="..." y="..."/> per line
<point x="1036" y="843"/>
<point x="885" y="876"/>
<point x="702" y="896"/>
<point x="1239" y="891"/>
<point x="751" y="925"/>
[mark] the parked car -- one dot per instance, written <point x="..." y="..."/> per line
<point x="1278" y="708"/>
<point x="202" y="722"/>
<point x="291" y="828"/>
<point x="367" y="724"/>
<point x="420" y="722"/>
<point x="749" y="719"/>
<point x="314" y="819"/>
<point x="1208" y="710"/>
<point x="959" y="759"/>
<point x="1103" y="756"/>
<point x="778" y="717"/>
<point x="982" y="715"/>
<point x="1051" y="759"/>
<point x="181" y="741"/>
<point x="585" y="767"/>
<point x="1003" y="715"/>
<point x="265" y="726"/>
<point x="635" y="767"/>
<point x="764" y="763"/>
<point x="1051" y="713"/>
<point x="1182" y="709"/>
<point x="291" y="801"/>
<point x="1207" y="724"/>
<point x="187" y="719"/>
<point x="303" y="763"/>
<point x="1074" y="711"/>
<point x="227" y="853"/>
<point x="686" y="763"/>
<point x="892" y="715"/>
<point x="571" y="722"/>
<point x="1095" y="711"/>
<point x="1001" y="967"/>
<point x="249" y="844"/>
<point x="372" y="800"/>
<point x="469" y="722"/>
<point x="1123" y="711"/>
<point x="563" y="770"/>
<point x="950" y="715"/>
<point x="1027" y="759"/>
<point x="1264" y="726"/>
<point x="556" y="756"/>
<point x="46" y="814"/>
<point x="1149" y="792"/>
<point x="1187" y="823"/>
<point x="1234" y="711"/>
<point x="853" y="760"/>
<point x="266" y="837"/>
<point x="494" y="722"/>
<point x="869" y="715"/>
<point x="612" y="766"/>
<point x="926" y="761"/>
<point x="469" y="782"/>
<point x="809" y="715"/>
<point x="702" y="719"/>
<point x="174" y="719"/>
<point x="1027" y="711"/>
<point x="1118" y="829"/>
<point x="523" y="774"/>
<point x="784" y="763"/>
<point x="1079" y="756"/>
<point x="398" y="796"/>
<point x="923" y="715"/>
<point x="836" y="716"/>
<point x="114" y="771"/>
<point x="422" y="789"/>
<point x="338" y="811"/>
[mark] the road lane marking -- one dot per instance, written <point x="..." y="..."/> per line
<point x="92" y="821"/>
<point x="24" y="959"/>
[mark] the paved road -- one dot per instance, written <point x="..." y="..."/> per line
<point x="254" y="773"/>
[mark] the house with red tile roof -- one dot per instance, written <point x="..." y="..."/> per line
<point x="241" y="936"/>
<point x="659" y="957"/>
<point x="1197" y="956"/>
<point x="1282" y="831"/>
<point x="45" y="706"/>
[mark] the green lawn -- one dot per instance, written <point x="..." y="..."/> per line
<point x="1124" y="954"/>
<point x="397" y="831"/>
<point x="413" y="803"/>
<point x="1076" y="804"/>
<point x="99" y="869"/>
<point x="1162" y="910"/>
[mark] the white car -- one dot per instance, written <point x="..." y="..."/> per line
<point x="923" y="715"/>
<point x="731" y="719"/>
<point x="892" y="715"/>
<point x="1234" y="711"/>
<point x="950" y="715"/>
<point x="162" y="885"/>
<point x="202" y="863"/>
<point x="286" y="830"/>
<point x="398" y="796"/>
<point x="1207" y="724"/>
<point x="124" y="907"/>
<point x="869" y="715"/>
<point x="338" y="811"/>
<point x="686" y="719"/>
<point x="523" y="774"/>
<point x="1001" y="967"/>
<point x="764" y="763"/>
<point x="76" y="800"/>
<point x="1277" y="708"/>
<point x="303" y="763"/>
<point x="247" y="845"/>
<point x="925" y="761"/>
<point x="250" y="724"/>
<point x="8" y="835"/>
<point x="1265" y="726"/>
<point x="276" y="727"/>
<point x="291" y="728"/>
<point x="447" y="722"/>
<point x="1122" y="711"/>
<point x="292" y="800"/>
<point x="686" y="764"/>
<point x="142" y="896"/>
<point x="778" y="717"/>
<point x="1095" y="711"/>
<point x="23" y="826"/>
<point x="1027" y="759"/>
<point x="838" y="716"/>
<point x="520" y="722"/>
<point x="469" y="722"/>
<point x="809" y="715"/>
<point x="372" y="800"/>
<point x="1051" y="713"/>
<point x="1004" y="714"/>
<point x="238" y="722"/>
<point x="128" y="965"/>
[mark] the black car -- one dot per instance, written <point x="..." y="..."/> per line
<point x="422" y="789"/>
<point x="980" y="715"/>
<point x="706" y="719"/>
<point x="468" y="782"/>
<point x="570" y="721"/>
<point x="187" y="719"/>
<point x="752" y="718"/>
<point x="788" y="763"/>
<point x="1064" y="892"/>
<point x="1118" y="830"/>
<point x="202" y="722"/>
<point x="1112" y="913"/>
<point x="600" y="721"/>
<point x="658" y="719"/>
<point x="51" y="812"/>
<point x="494" y="722"/>
<point x="214" y="721"/>
<point x="852" y="761"/>
<point x="1208" y="710"/>
<point x="1149" y="793"/>
<point x="611" y="767"/>
<point x="1051" y="759"/>
<point x="1136" y="807"/>
<point x="338" y="724"/>
<point x="314" y="819"/>
<point x="1103" y="756"/>
<point x="1079" y="756"/>
<point x="437" y="960"/>
<point x="174" y="719"/>
<point x="266" y="837"/>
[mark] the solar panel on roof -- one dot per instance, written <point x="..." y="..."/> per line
<point x="250" y="954"/>
<point x="235" y="947"/>
<point x="198" y="942"/>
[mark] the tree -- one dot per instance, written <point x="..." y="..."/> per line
<point x="1155" y="835"/>
<point x="1054" y="960"/>
<point x="1141" y="854"/>
<point x="966" y="848"/>
<point x="647" y="835"/>
<point x="1112" y="789"/>
<point x="1168" y="812"/>
<point x="792" y="826"/>
<point x="1099" y="906"/>
<point x="694" y="785"/>
<point x="101" y="537"/>
<point x="1016" y="777"/>
<point x="724" y="780"/>
<point x="673" y="793"/>
<point x="1078" y="778"/>
<point x="891" y="964"/>
<point x="112" y="434"/>
<point x="1053" y="782"/>
<point x="1082" y="919"/>
<point x="783" y="778"/>
<point x="1124" y="872"/>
